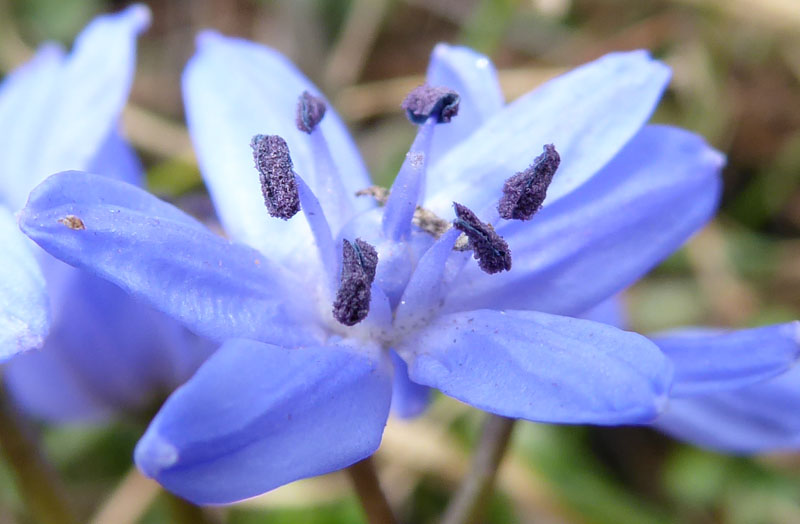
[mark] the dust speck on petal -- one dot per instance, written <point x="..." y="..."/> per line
<point x="72" y="222"/>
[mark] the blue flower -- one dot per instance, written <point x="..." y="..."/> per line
<point x="318" y="314"/>
<point x="734" y="390"/>
<point x="104" y="351"/>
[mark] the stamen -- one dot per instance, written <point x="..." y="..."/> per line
<point x="489" y="248"/>
<point x="310" y="110"/>
<point x="427" y="101"/>
<point x="524" y="192"/>
<point x="274" y="167"/>
<point x="359" y="263"/>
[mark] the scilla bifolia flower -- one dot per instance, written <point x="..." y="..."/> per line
<point x="438" y="282"/>
<point x="105" y="352"/>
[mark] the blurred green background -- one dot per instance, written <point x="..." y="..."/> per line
<point x="736" y="81"/>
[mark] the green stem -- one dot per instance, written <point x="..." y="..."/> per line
<point x="368" y="489"/>
<point x="43" y="494"/>
<point x="469" y="502"/>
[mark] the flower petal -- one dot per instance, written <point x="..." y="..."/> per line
<point x="589" y="114"/>
<point x="24" y="310"/>
<point x="62" y="123"/>
<point x="233" y="90"/>
<point x="473" y="77"/>
<point x="409" y="399"/>
<point x="709" y="361"/>
<point x="158" y="253"/>
<point x="581" y="250"/>
<point x="106" y="352"/>
<point x="257" y="416"/>
<point x="117" y="159"/>
<point x="758" y="418"/>
<point x="540" y="367"/>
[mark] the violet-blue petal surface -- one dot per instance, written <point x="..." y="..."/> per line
<point x="106" y="352"/>
<point x="711" y="361"/>
<point x="589" y="114"/>
<point x="71" y="104"/>
<point x="233" y="90"/>
<point x="117" y="159"/>
<point x="540" y="367"/>
<point x="151" y="249"/>
<point x="592" y="244"/>
<point x="759" y="418"/>
<point x="473" y="76"/>
<point x="24" y="309"/>
<point x="257" y="416"/>
<point x="611" y="312"/>
<point x="409" y="399"/>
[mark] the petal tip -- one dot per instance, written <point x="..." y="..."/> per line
<point x="208" y="37"/>
<point x="139" y="15"/>
<point x="154" y="454"/>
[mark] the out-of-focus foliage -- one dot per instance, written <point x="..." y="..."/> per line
<point x="736" y="80"/>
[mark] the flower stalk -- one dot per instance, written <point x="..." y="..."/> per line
<point x="39" y="485"/>
<point x="469" y="502"/>
<point x="373" y="500"/>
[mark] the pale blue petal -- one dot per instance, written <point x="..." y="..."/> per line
<point x="709" y="361"/>
<point x="473" y="76"/>
<point x="257" y="416"/>
<point x="155" y="251"/>
<point x="24" y="309"/>
<point x="409" y="399"/>
<point x="759" y="418"/>
<point x="589" y="114"/>
<point x="24" y="105"/>
<point x="540" y="367"/>
<point x="62" y="123"/>
<point x="592" y="244"/>
<point x="233" y="90"/>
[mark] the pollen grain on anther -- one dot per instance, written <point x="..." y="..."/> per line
<point x="488" y="248"/>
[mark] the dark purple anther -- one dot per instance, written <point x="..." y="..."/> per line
<point x="524" y="192"/>
<point x="359" y="262"/>
<point x="488" y="248"/>
<point x="310" y="110"/>
<point x="277" y="178"/>
<point x="426" y="101"/>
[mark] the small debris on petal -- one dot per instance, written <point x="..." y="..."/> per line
<point x="72" y="222"/>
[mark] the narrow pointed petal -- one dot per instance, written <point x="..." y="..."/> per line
<point x="24" y="103"/>
<point x="711" y="361"/>
<point x="233" y="90"/>
<point x="24" y="309"/>
<point x="408" y="186"/>
<point x="759" y="418"/>
<point x="473" y="76"/>
<point x="583" y="249"/>
<point x="257" y="416"/>
<point x="161" y="255"/>
<point x="62" y="123"/>
<point x="589" y="114"/>
<point x="540" y="367"/>
<point x="423" y="295"/>
<point x="409" y="399"/>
